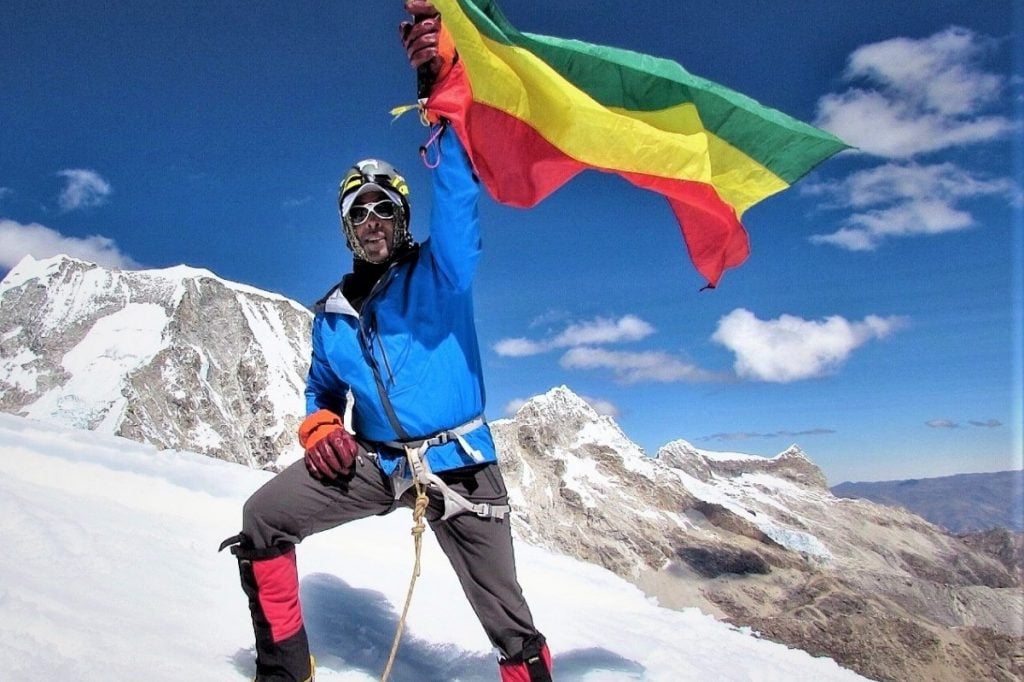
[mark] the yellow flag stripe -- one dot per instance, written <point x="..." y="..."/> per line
<point x="668" y="143"/>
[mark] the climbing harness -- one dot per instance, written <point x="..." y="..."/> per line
<point x="415" y="468"/>
<point x="421" y="478"/>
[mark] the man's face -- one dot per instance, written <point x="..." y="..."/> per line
<point x="375" y="234"/>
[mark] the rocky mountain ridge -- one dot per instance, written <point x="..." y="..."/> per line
<point x="762" y="542"/>
<point x="178" y="357"/>
<point x="182" y="359"/>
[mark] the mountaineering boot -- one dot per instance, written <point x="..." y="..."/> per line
<point x="533" y="664"/>
<point x="271" y="582"/>
<point x="312" y="672"/>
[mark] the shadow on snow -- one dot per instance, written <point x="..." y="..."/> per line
<point x="352" y="628"/>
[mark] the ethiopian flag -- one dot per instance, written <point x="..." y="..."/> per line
<point x="532" y="111"/>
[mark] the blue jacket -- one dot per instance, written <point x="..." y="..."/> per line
<point x="417" y="329"/>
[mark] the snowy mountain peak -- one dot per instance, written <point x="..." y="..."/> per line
<point x="177" y="357"/>
<point x="577" y="422"/>
<point x="794" y="451"/>
<point x="559" y="400"/>
<point x="62" y="267"/>
<point x="792" y="464"/>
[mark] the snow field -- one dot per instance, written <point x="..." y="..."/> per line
<point x="110" y="572"/>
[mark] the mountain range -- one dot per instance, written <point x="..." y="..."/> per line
<point x="964" y="503"/>
<point x="182" y="359"/>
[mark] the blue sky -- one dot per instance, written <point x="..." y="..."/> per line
<point x="877" y="322"/>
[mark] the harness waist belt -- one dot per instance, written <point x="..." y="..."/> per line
<point x="454" y="503"/>
<point x="440" y="438"/>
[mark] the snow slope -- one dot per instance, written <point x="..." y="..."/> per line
<point x="110" y="572"/>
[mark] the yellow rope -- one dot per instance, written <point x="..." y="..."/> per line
<point x="418" y="512"/>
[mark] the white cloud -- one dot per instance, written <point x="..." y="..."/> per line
<point x="942" y="424"/>
<point x="83" y="188"/>
<point x="635" y="367"/>
<point x="39" y="241"/>
<point x="519" y="348"/>
<point x="597" y="331"/>
<point x="988" y="423"/>
<point x="896" y="182"/>
<point x="918" y="96"/>
<point x="939" y="71"/>
<point x="582" y="340"/>
<point x="867" y="230"/>
<point x="602" y="330"/>
<point x="903" y="200"/>
<point x="790" y="348"/>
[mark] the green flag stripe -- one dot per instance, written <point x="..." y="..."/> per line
<point x="620" y="78"/>
<point x="629" y="80"/>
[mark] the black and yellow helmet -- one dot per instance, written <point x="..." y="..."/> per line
<point x="368" y="175"/>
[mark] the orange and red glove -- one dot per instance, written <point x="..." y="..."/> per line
<point x="330" y="449"/>
<point x="426" y="43"/>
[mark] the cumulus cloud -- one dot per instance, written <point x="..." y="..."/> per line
<point x="39" y="241"/>
<point x="904" y="199"/>
<point x="912" y="96"/>
<point x="897" y="182"/>
<point x="583" y="341"/>
<point x="601" y="330"/>
<point x="633" y="368"/>
<point x="519" y="348"/>
<point x="597" y="331"/>
<point x="790" y="348"/>
<point x="83" y="188"/>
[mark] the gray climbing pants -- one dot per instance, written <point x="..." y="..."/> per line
<point x="294" y="505"/>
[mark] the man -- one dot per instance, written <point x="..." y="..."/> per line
<point x="395" y="347"/>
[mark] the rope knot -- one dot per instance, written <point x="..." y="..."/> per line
<point x="419" y="511"/>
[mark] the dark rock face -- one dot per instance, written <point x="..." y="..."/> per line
<point x="711" y="562"/>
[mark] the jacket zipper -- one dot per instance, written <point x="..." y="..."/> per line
<point x="364" y="335"/>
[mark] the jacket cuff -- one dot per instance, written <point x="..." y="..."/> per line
<point x="317" y="425"/>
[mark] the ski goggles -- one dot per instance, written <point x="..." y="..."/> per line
<point x="383" y="209"/>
